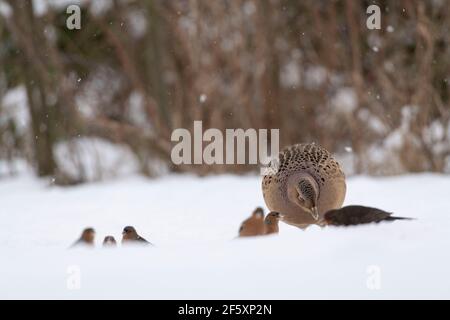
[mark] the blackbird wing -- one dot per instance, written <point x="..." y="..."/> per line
<point x="356" y="215"/>
<point x="140" y="239"/>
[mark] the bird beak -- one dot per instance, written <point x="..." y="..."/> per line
<point x="315" y="213"/>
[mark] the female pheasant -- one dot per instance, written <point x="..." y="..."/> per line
<point x="306" y="184"/>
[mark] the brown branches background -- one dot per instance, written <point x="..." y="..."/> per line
<point x="310" y="68"/>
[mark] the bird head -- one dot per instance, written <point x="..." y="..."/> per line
<point x="129" y="232"/>
<point x="273" y="217"/>
<point x="258" y="213"/>
<point x="88" y="235"/>
<point x="109" y="240"/>
<point x="304" y="191"/>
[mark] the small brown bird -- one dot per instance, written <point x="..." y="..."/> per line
<point x="109" y="241"/>
<point x="86" y="239"/>
<point x="271" y="222"/>
<point x="253" y="226"/>
<point x="129" y="235"/>
<point x="356" y="215"/>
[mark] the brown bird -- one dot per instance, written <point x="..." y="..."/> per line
<point x="86" y="239"/>
<point x="271" y="222"/>
<point x="355" y="215"/>
<point x="307" y="182"/>
<point x="109" y="241"/>
<point x="253" y="226"/>
<point x="129" y="235"/>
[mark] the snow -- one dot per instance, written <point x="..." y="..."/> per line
<point x="193" y="223"/>
<point x="8" y="168"/>
<point x="290" y="75"/>
<point x="5" y="9"/>
<point x="94" y="159"/>
<point x="397" y="137"/>
<point x="137" y="22"/>
<point x="315" y="76"/>
<point x="434" y="132"/>
<point x="14" y="108"/>
<point x="96" y="91"/>
<point x="372" y="121"/>
<point x="136" y="110"/>
<point x="344" y="101"/>
<point x="40" y="7"/>
<point x="100" y="7"/>
<point x="249" y="8"/>
<point x="203" y="98"/>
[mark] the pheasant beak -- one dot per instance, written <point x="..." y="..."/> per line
<point x="315" y="213"/>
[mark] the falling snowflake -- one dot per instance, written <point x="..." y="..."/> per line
<point x="203" y="98"/>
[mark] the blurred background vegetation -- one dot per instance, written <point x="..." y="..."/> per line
<point x="79" y="104"/>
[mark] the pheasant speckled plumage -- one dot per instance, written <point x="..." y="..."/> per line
<point x="307" y="183"/>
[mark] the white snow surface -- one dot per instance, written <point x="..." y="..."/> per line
<point x="193" y="223"/>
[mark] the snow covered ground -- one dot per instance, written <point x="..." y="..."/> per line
<point x="193" y="223"/>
